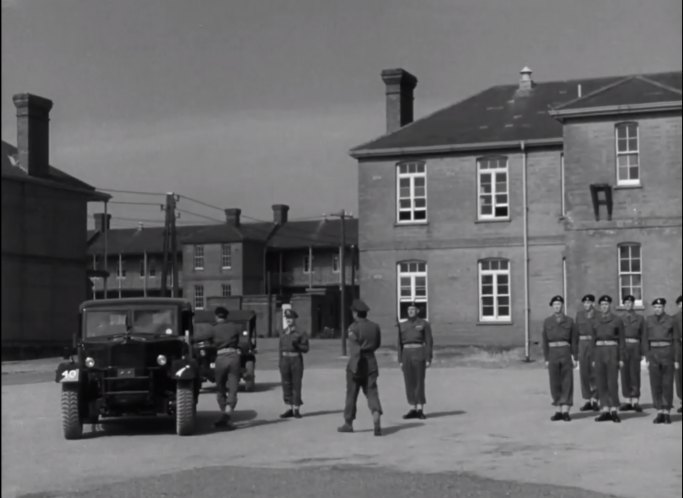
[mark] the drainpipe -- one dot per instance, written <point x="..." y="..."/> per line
<point x="105" y="292"/>
<point x="527" y="336"/>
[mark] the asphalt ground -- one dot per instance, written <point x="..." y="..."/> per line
<point x="487" y="434"/>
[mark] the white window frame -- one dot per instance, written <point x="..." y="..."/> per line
<point x="411" y="271"/>
<point x="630" y="274"/>
<point x="198" y="297"/>
<point x="224" y="288"/>
<point x="495" y="274"/>
<point x="627" y="153"/>
<point x="226" y="256"/>
<point x="493" y="171"/>
<point x="411" y="172"/>
<point x="198" y="257"/>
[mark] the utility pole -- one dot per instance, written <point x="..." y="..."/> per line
<point x="174" y="246"/>
<point x="342" y="276"/>
<point x="169" y="258"/>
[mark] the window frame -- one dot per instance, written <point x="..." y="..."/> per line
<point x="225" y="286"/>
<point x="226" y="256"/>
<point x="627" y="182"/>
<point x="411" y="177"/>
<point x="494" y="273"/>
<point x="198" y="295"/>
<point x="639" y="303"/>
<point x="494" y="193"/>
<point x="413" y="275"/>
<point x="197" y="258"/>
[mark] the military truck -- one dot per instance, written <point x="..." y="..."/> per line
<point x="130" y="357"/>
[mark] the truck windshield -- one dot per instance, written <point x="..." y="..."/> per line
<point x="102" y="323"/>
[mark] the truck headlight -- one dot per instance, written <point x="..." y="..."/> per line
<point x="89" y="362"/>
<point x="161" y="360"/>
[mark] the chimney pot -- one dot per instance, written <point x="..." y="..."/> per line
<point x="399" y="85"/>
<point x="33" y="133"/>
<point x="102" y="221"/>
<point x="525" y="81"/>
<point x="232" y="216"/>
<point x="280" y="214"/>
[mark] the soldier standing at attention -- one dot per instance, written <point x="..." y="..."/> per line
<point x="659" y="348"/>
<point x="362" y="369"/>
<point x="226" y="338"/>
<point x="678" y="330"/>
<point x="634" y="327"/>
<point x="415" y="345"/>
<point x="584" y="324"/>
<point x="560" y="345"/>
<point x="292" y="344"/>
<point x="608" y="354"/>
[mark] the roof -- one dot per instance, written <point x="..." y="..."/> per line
<point x="12" y="169"/>
<point x="505" y="114"/>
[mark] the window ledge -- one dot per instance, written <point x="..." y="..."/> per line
<point x="494" y="220"/>
<point x="627" y="187"/>
<point x="508" y="322"/>
<point x="410" y="223"/>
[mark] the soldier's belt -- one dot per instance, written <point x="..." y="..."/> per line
<point x="290" y="353"/>
<point x="558" y="344"/>
<point x="227" y="351"/>
<point x="660" y="344"/>
<point x="606" y="343"/>
<point x="585" y="337"/>
<point x="413" y="345"/>
<point x="632" y="340"/>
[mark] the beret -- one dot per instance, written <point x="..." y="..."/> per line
<point x="659" y="300"/>
<point x="556" y="298"/>
<point x="290" y="313"/>
<point x="605" y="298"/>
<point x="588" y="297"/>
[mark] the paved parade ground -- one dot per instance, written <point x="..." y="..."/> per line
<point x="487" y="434"/>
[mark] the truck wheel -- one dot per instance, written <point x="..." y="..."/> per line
<point x="249" y="376"/>
<point x="185" y="409"/>
<point x="71" y="418"/>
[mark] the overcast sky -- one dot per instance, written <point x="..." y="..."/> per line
<point x="249" y="103"/>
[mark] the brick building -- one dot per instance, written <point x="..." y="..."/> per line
<point x="44" y="225"/>
<point x="483" y="210"/>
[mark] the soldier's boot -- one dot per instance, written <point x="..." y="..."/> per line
<point x="659" y="419"/>
<point x="347" y="427"/>
<point x="637" y="407"/>
<point x="566" y="417"/>
<point x="626" y="407"/>
<point x="556" y="416"/>
<point x="680" y="409"/>
<point x="297" y="413"/>
<point x="667" y="419"/>
<point x="587" y="407"/>
<point x="615" y="417"/>
<point x="603" y="417"/>
<point x="288" y="414"/>
<point x="412" y="413"/>
<point x="377" y="425"/>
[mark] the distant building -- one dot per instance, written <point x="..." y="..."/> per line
<point x="485" y="209"/>
<point x="44" y="225"/>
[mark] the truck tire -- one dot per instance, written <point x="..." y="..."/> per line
<point x="249" y="376"/>
<point x="71" y="417"/>
<point x="185" y="409"/>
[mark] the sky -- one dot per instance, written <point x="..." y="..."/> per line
<point x="243" y="104"/>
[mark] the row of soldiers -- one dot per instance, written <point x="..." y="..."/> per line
<point x="602" y="344"/>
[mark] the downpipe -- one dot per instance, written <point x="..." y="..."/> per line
<point x="527" y="335"/>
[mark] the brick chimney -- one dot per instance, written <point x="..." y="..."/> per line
<point x="525" y="81"/>
<point x="280" y="214"/>
<point x="102" y="221"/>
<point x="399" y="91"/>
<point x="33" y="133"/>
<point x="232" y="216"/>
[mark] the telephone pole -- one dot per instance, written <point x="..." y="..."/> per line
<point x="342" y="276"/>
<point x="170" y="252"/>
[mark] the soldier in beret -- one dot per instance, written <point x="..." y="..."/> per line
<point x="608" y="358"/>
<point x="584" y="324"/>
<point x="560" y="345"/>
<point x="679" y="353"/>
<point x="362" y="370"/>
<point x="293" y="343"/>
<point x="634" y="327"/>
<point x="415" y="345"/>
<point x="225" y="336"/>
<point x="658" y="343"/>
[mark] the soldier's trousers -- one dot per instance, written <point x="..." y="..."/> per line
<point x="607" y="375"/>
<point x="414" y="369"/>
<point x="586" y="370"/>
<point x="630" y="372"/>
<point x="292" y="374"/>
<point x="354" y="384"/>
<point x="227" y="378"/>
<point x="678" y="374"/>
<point x="561" y="374"/>
<point x="662" y="377"/>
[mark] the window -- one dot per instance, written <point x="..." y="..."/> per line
<point x="494" y="290"/>
<point x="630" y="272"/>
<point x="226" y="256"/>
<point x="198" y="257"/>
<point x="412" y="286"/>
<point x="199" y="297"/>
<point x="308" y="263"/>
<point x="151" y="268"/>
<point x="628" y="162"/>
<point x="335" y="264"/>
<point x="493" y="196"/>
<point x="226" y="290"/>
<point x="412" y="192"/>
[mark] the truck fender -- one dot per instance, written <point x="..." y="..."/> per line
<point x="183" y="369"/>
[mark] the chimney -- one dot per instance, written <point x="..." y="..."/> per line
<point x="102" y="224"/>
<point x="525" y="81"/>
<point x="232" y="216"/>
<point x="399" y="91"/>
<point x="33" y="133"/>
<point x="280" y="214"/>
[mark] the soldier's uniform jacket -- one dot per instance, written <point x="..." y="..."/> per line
<point x="416" y="331"/>
<point x="225" y="335"/>
<point x="634" y="325"/>
<point x="609" y="327"/>
<point x="678" y="333"/>
<point x="584" y="322"/>
<point x="658" y="328"/>
<point x="563" y="329"/>
<point x="293" y="341"/>
<point x="364" y="339"/>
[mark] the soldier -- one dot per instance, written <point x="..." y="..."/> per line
<point x="560" y="345"/>
<point x="658" y="347"/>
<point x="292" y="344"/>
<point x="362" y="369"/>
<point x="584" y="324"/>
<point x="679" y="353"/>
<point x="415" y="345"/>
<point x="226" y="338"/>
<point x="634" y="325"/>
<point x="607" y="356"/>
